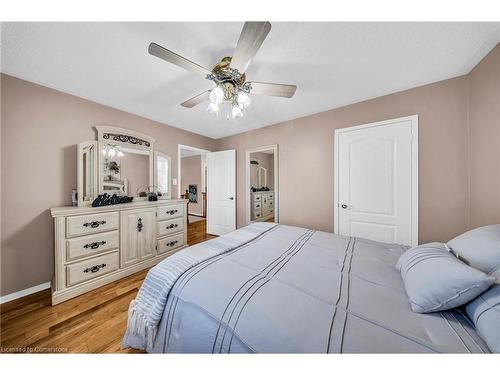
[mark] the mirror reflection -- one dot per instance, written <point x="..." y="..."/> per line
<point x="125" y="171"/>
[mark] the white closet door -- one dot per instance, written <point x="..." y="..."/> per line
<point x="221" y="192"/>
<point x="377" y="181"/>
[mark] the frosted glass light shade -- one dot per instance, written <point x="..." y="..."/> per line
<point x="244" y="100"/>
<point x="216" y="95"/>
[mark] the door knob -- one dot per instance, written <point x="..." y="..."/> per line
<point x="231" y="198"/>
<point x="344" y="206"/>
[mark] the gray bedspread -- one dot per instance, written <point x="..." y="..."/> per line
<point x="294" y="290"/>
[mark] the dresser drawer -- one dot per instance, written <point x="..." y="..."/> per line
<point x="89" y="269"/>
<point x="88" y="224"/>
<point x="257" y="215"/>
<point x="170" y="212"/>
<point x="270" y="195"/>
<point x="267" y="211"/>
<point x="257" y="197"/>
<point x="268" y="204"/>
<point x="170" y="226"/>
<point x="81" y="247"/>
<point x="257" y="206"/>
<point x="170" y="243"/>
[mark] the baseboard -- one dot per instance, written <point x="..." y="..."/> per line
<point x="25" y="292"/>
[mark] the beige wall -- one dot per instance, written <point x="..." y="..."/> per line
<point x="484" y="127"/>
<point x="191" y="175"/>
<point x="459" y="174"/>
<point x="308" y="141"/>
<point x="40" y="130"/>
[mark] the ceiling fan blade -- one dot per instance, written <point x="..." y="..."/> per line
<point x="273" y="89"/>
<point x="251" y="38"/>
<point x="173" y="58"/>
<point x="190" y="103"/>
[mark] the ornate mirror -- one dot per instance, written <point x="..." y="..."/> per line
<point x="122" y="162"/>
<point x="125" y="162"/>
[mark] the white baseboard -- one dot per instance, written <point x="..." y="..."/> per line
<point x="25" y="292"/>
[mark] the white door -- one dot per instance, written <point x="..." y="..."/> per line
<point x="377" y="181"/>
<point x="221" y="192"/>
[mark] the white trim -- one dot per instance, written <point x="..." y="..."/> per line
<point x="414" y="174"/>
<point x="275" y="149"/>
<point x="179" y="148"/>
<point x="25" y="292"/>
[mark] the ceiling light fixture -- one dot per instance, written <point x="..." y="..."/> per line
<point x="232" y="89"/>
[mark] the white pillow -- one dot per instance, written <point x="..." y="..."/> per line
<point x="436" y="280"/>
<point x="480" y="248"/>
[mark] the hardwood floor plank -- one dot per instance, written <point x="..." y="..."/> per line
<point x="94" y="322"/>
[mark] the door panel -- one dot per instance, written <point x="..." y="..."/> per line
<point x="375" y="182"/>
<point x="138" y="236"/>
<point x="221" y="192"/>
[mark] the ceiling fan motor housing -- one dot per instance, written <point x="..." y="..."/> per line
<point x="229" y="79"/>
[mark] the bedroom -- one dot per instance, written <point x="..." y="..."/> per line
<point x="250" y="187"/>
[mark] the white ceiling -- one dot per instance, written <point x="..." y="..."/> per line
<point x="333" y="64"/>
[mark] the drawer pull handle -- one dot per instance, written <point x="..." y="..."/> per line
<point x="94" y="245"/>
<point x="139" y="225"/>
<point x="94" y="224"/>
<point x="94" y="269"/>
<point x="171" y="226"/>
<point x="172" y="243"/>
<point x="172" y="212"/>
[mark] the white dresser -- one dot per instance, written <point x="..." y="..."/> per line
<point x="262" y="205"/>
<point x="97" y="245"/>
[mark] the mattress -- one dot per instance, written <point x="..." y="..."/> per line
<point x="296" y="290"/>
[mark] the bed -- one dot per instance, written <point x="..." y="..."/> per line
<point x="270" y="288"/>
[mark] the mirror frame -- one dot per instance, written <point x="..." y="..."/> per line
<point x="163" y="155"/>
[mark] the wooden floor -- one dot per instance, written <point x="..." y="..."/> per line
<point x="91" y="323"/>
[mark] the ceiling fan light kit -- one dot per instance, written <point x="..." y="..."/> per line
<point x="232" y="88"/>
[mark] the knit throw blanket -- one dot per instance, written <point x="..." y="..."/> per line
<point x="146" y="310"/>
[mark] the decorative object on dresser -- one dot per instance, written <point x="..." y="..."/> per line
<point x="107" y="200"/>
<point x="100" y="244"/>
<point x="262" y="205"/>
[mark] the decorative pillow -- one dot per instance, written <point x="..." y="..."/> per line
<point x="484" y="312"/>
<point x="480" y="248"/>
<point x="436" y="280"/>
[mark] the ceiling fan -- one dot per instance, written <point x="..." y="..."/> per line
<point x="229" y="74"/>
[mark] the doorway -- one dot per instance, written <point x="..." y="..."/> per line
<point x="376" y="181"/>
<point x="262" y="184"/>
<point x="191" y="169"/>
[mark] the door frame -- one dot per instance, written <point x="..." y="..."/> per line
<point x="414" y="173"/>
<point x="179" y="174"/>
<point x="249" y="151"/>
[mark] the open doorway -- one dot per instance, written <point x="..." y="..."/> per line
<point x="192" y="176"/>
<point x="262" y="184"/>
